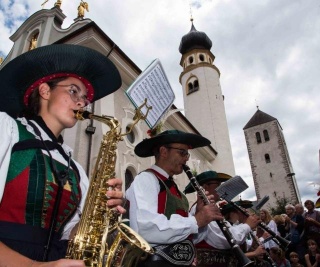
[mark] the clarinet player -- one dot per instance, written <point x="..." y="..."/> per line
<point x="158" y="210"/>
<point x="214" y="250"/>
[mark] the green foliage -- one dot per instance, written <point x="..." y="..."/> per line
<point x="194" y="172"/>
<point x="279" y="207"/>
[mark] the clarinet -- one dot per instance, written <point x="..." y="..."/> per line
<point x="243" y="259"/>
<point x="280" y="241"/>
<point x="255" y="238"/>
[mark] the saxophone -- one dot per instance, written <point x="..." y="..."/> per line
<point x="101" y="240"/>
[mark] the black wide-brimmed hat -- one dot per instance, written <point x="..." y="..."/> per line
<point x="146" y="147"/>
<point x="205" y="177"/>
<point x="246" y="204"/>
<point x="24" y="73"/>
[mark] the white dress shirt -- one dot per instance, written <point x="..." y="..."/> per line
<point x="154" y="227"/>
<point x="216" y="238"/>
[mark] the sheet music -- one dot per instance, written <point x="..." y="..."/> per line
<point x="231" y="188"/>
<point x="153" y="85"/>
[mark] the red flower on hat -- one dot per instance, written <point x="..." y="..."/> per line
<point x="222" y="203"/>
<point x="156" y="130"/>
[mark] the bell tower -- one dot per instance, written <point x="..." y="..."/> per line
<point x="270" y="162"/>
<point x="203" y="98"/>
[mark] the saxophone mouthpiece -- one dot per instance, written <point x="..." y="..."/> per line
<point x="82" y="114"/>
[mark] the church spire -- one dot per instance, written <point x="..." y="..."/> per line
<point x="194" y="39"/>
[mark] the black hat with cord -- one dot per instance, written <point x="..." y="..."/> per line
<point x="246" y="204"/>
<point x="146" y="148"/>
<point x="206" y="177"/>
<point x="20" y="76"/>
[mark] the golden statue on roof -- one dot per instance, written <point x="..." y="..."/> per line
<point x="83" y="6"/>
<point x="33" y="42"/>
<point x="58" y="3"/>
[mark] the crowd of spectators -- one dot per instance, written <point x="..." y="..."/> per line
<point x="300" y="224"/>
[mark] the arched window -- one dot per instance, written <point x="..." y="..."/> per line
<point x="196" y="85"/>
<point x="190" y="60"/>
<point x="192" y="85"/>
<point x="130" y="136"/>
<point x="266" y="135"/>
<point x="267" y="158"/>
<point x="258" y="136"/>
<point x="201" y="57"/>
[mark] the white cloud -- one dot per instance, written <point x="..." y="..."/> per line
<point x="267" y="51"/>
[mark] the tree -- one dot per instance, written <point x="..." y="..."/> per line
<point x="279" y="207"/>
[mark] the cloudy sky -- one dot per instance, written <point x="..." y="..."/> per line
<point x="268" y="53"/>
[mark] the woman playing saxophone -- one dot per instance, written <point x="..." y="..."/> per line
<point x="42" y="188"/>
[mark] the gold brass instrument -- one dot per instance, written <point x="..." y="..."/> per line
<point x="101" y="240"/>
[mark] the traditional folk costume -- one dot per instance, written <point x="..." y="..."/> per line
<point x="159" y="211"/>
<point x="30" y="190"/>
<point x="42" y="190"/>
<point x="215" y="250"/>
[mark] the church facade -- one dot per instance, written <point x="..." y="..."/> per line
<point x="199" y="79"/>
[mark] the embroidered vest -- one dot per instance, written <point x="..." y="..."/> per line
<point x="170" y="199"/>
<point x="30" y="189"/>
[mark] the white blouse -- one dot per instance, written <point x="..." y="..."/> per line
<point x="216" y="238"/>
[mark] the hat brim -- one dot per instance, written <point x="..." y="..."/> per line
<point x="246" y="204"/>
<point x="221" y="177"/>
<point x="48" y="62"/>
<point x="146" y="147"/>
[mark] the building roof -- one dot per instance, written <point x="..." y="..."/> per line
<point x="258" y="118"/>
<point x="194" y="40"/>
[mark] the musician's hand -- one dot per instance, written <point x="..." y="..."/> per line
<point x="252" y="221"/>
<point x="222" y="203"/>
<point x="115" y="195"/>
<point x="207" y="214"/>
<point x="59" y="263"/>
<point x="265" y="235"/>
<point x="260" y="250"/>
<point x="210" y="197"/>
<point x="200" y="202"/>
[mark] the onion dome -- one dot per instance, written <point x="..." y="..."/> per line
<point x="193" y="40"/>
